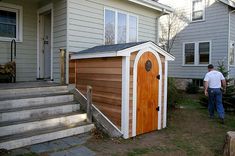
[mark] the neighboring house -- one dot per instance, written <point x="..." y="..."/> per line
<point x="42" y="27"/>
<point x="207" y="37"/>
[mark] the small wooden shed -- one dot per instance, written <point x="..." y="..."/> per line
<point x="129" y="84"/>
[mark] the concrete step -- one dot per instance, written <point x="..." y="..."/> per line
<point x="12" y="92"/>
<point x="27" y="101"/>
<point x="11" y="128"/>
<point x="37" y="111"/>
<point x="43" y="135"/>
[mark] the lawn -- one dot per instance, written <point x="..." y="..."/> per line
<point x="190" y="132"/>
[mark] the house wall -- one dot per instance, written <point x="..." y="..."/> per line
<point x="86" y="22"/>
<point x="214" y="29"/>
<point x="59" y="34"/>
<point x="105" y="77"/>
<point x="26" y="57"/>
<point x="232" y="38"/>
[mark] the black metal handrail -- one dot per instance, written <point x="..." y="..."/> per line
<point x="13" y="48"/>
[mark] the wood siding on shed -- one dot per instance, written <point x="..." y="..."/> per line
<point x="105" y="77"/>
<point x="86" y="22"/>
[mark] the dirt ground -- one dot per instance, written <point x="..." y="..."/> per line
<point x="189" y="132"/>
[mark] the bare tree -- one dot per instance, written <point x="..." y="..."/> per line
<point x="170" y="26"/>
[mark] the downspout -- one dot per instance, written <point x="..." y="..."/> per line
<point x="163" y="12"/>
<point x="229" y="31"/>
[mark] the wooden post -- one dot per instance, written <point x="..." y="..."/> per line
<point x="89" y="104"/>
<point x="62" y="66"/>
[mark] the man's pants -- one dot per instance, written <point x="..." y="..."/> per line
<point x="215" y="99"/>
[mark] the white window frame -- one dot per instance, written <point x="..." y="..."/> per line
<point x="127" y="24"/>
<point x="19" y="20"/>
<point x="196" y="54"/>
<point x="230" y="46"/>
<point x="203" y="14"/>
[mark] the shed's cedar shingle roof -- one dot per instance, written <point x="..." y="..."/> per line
<point x="110" y="48"/>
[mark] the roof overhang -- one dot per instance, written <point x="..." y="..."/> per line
<point x="228" y="2"/>
<point x="124" y="52"/>
<point x="154" y="5"/>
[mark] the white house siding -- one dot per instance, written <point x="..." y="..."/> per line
<point x="214" y="29"/>
<point x="26" y="59"/>
<point x="232" y="38"/>
<point x="86" y="22"/>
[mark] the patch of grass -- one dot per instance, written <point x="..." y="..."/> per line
<point x="186" y="146"/>
<point x="28" y="154"/>
<point x="189" y="103"/>
<point x="142" y="151"/>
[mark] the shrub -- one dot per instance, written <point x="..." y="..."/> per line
<point x="173" y="94"/>
<point x="192" y="88"/>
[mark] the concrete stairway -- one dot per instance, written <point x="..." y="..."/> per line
<point x="38" y="114"/>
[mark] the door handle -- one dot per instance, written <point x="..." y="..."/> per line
<point x="158" y="108"/>
<point x="158" y="77"/>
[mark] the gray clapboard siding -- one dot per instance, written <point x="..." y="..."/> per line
<point x="214" y="29"/>
<point x="60" y="34"/>
<point x="86" y="22"/>
<point x="26" y="51"/>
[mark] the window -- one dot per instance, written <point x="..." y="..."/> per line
<point x="109" y="27"/>
<point x="10" y="22"/>
<point x="122" y="23"/>
<point x="197" y="53"/>
<point x="197" y="10"/>
<point x="189" y="53"/>
<point x="232" y="53"/>
<point x="204" y="53"/>
<point x="120" y="27"/>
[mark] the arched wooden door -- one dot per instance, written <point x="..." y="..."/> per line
<point x="147" y="93"/>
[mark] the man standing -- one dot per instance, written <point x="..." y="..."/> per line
<point x="212" y="85"/>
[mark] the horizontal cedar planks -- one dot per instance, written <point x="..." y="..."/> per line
<point x="104" y="75"/>
<point x="102" y="89"/>
<point x="100" y="63"/>
<point x="99" y="70"/>
<point x="72" y="71"/>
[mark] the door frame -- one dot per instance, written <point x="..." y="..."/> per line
<point x="40" y="11"/>
<point x="140" y="53"/>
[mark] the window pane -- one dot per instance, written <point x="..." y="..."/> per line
<point x="7" y="24"/>
<point x="122" y="28"/>
<point x="197" y="10"/>
<point x="109" y="27"/>
<point x="189" y="53"/>
<point x="204" y="53"/>
<point x="132" y="29"/>
<point x="232" y="54"/>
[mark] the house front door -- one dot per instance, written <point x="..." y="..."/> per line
<point x="147" y="93"/>
<point x="45" y="46"/>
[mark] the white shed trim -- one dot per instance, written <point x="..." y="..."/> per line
<point x="140" y="53"/>
<point x="153" y="5"/>
<point x="125" y="96"/>
<point x="128" y="51"/>
<point x="124" y="52"/>
<point x="165" y="95"/>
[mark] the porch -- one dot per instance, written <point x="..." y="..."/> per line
<point x="39" y="29"/>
